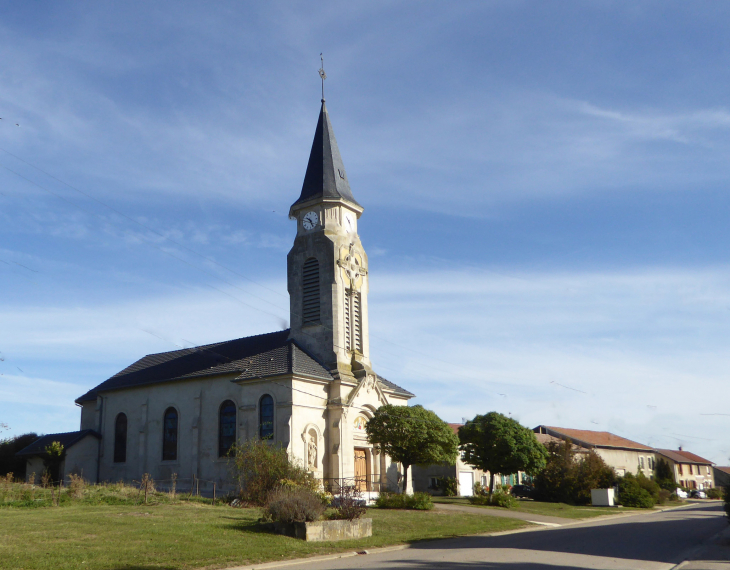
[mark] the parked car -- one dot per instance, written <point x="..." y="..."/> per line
<point x="697" y="495"/>
<point x="681" y="494"/>
<point x="521" y="491"/>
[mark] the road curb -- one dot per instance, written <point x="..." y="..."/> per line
<point x="378" y="550"/>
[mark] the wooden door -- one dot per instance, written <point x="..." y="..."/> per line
<point x="361" y="470"/>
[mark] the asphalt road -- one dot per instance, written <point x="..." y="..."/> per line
<point x="647" y="541"/>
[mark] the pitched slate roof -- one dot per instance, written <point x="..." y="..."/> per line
<point x="325" y="176"/>
<point x="67" y="439"/>
<point x="588" y="438"/>
<point x="394" y="387"/>
<point x="257" y="356"/>
<point x="679" y="456"/>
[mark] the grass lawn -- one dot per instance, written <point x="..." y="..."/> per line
<point x="193" y="535"/>
<point x="548" y="509"/>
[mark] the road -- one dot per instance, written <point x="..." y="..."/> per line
<point x="653" y="541"/>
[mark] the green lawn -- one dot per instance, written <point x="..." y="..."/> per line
<point x="548" y="509"/>
<point x="192" y="535"/>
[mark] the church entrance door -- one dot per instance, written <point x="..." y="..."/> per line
<point x="361" y="470"/>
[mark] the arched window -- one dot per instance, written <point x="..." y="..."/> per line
<point x="310" y="291"/>
<point x="266" y="417"/>
<point x="226" y="427"/>
<point x="120" y="439"/>
<point x="169" y="435"/>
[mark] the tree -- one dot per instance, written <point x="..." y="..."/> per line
<point x="664" y="476"/>
<point x="9" y="463"/>
<point x="53" y="458"/>
<point x="412" y="435"/>
<point x="498" y="444"/>
<point x="554" y="483"/>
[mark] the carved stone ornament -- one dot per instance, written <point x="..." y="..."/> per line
<point x="352" y="269"/>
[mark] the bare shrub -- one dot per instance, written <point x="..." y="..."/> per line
<point x="31" y="479"/>
<point x="147" y="485"/>
<point x="76" y="486"/>
<point x="294" y="504"/>
<point x="46" y="479"/>
<point x="173" y="486"/>
<point x="349" y="504"/>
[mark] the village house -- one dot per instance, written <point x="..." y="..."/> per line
<point x="624" y="455"/>
<point x="690" y="471"/>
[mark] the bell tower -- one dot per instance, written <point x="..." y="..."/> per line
<point x="327" y="267"/>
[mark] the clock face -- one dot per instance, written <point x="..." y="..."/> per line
<point x="349" y="222"/>
<point x="310" y="220"/>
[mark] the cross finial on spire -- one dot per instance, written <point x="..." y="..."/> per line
<point x="322" y="74"/>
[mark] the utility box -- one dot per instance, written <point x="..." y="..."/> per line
<point x="602" y="497"/>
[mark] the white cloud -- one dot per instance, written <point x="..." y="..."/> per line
<point x="640" y="353"/>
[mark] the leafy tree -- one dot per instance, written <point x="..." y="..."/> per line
<point x="664" y="476"/>
<point x="591" y="472"/>
<point x="412" y="435"/>
<point x="498" y="444"/>
<point x="727" y="501"/>
<point x="8" y="448"/>
<point x="554" y="483"/>
<point x="54" y="455"/>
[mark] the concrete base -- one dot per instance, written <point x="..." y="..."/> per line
<point x="320" y="531"/>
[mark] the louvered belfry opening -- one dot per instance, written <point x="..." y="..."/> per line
<point x="353" y="322"/>
<point x="310" y="292"/>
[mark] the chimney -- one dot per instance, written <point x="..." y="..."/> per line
<point x="680" y="448"/>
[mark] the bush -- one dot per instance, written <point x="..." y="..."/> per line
<point x="261" y="467"/>
<point x="649" y="486"/>
<point x="631" y="494"/>
<point x="349" y="505"/>
<point x="665" y="496"/>
<point x="727" y="501"/>
<point x="447" y="485"/>
<point x="714" y="493"/>
<point x="293" y="504"/>
<point x="498" y="499"/>
<point x="416" y="501"/>
<point x="480" y="489"/>
<point x="76" y="486"/>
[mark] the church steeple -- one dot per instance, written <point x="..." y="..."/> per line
<point x="327" y="265"/>
<point x="325" y="178"/>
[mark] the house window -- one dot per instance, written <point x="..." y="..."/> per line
<point x="485" y="481"/>
<point x="169" y="435"/>
<point x="708" y="469"/>
<point x="120" y="439"/>
<point x="641" y="462"/>
<point x="650" y="461"/>
<point x="310" y="292"/>
<point x="679" y="468"/>
<point x="690" y="469"/>
<point x="433" y="483"/>
<point x="266" y="417"/>
<point x="226" y="427"/>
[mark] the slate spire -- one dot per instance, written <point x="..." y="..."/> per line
<point x="325" y="176"/>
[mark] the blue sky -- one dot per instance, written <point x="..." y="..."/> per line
<point x="544" y="189"/>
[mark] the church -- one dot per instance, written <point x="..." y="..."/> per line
<point x="311" y="388"/>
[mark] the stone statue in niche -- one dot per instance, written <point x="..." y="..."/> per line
<point x="312" y="453"/>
